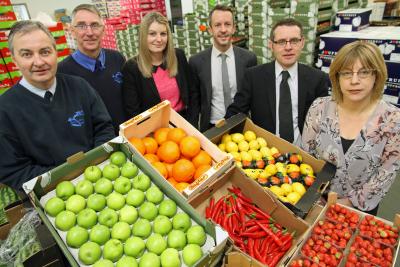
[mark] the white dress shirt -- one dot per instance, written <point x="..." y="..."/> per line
<point x="294" y="93"/>
<point x="218" y="109"/>
<point x="38" y="91"/>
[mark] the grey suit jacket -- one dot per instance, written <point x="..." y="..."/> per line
<point x="201" y="67"/>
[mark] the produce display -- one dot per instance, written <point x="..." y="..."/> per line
<point x="251" y="229"/>
<point x="344" y="238"/>
<point x="116" y="215"/>
<point x="177" y="156"/>
<point x="284" y="174"/>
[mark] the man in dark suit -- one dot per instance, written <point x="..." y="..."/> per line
<point x="278" y="94"/>
<point x="219" y="70"/>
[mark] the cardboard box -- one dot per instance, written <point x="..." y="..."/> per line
<point x="282" y="215"/>
<point x="162" y="115"/>
<point x="351" y="20"/>
<point x="40" y="186"/>
<point x="324" y="171"/>
<point x="14" y="212"/>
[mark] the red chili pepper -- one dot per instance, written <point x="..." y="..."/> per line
<point x="276" y="259"/>
<point x="256" y="251"/>
<point x="253" y="234"/>
<point x="238" y="192"/>
<point x="253" y="228"/>
<point x="217" y="208"/>
<point x="250" y="245"/>
<point x="270" y="233"/>
<point x="208" y="213"/>
<point x="212" y="203"/>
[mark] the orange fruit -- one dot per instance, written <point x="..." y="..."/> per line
<point x="169" y="168"/>
<point x="138" y="144"/>
<point x="168" y="152"/>
<point x="200" y="170"/>
<point x="151" y="157"/>
<point x="203" y="158"/>
<point x="172" y="181"/>
<point x="161" y="135"/>
<point x="151" y="145"/>
<point x="183" y="170"/>
<point x="176" y="135"/>
<point x="190" y="146"/>
<point x="181" y="186"/>
<point x="161" y="168"/>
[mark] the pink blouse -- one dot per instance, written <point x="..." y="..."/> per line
<point x="167" y="88"/>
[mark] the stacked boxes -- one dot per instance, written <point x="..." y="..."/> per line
<point x="111" y="25"/>
<point x="191" y="26"/>
<point x="113" y="8"/>
<point x="128" y="40"/>
<point x="61" y="41"/>
<point x="242" y="13"/>
<point x="179" y="37"/>
<point x="9" y="73"/>
<point x="7" y="15"/>
<point x="259" y="27"/>
<point x="101" y="5"/>
<point x="352" y="19"/>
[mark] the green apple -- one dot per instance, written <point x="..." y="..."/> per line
<point x="87" y="218"/>
<point x="118" y="158"/>
<point x="127" y="261"/>
<point x="103" y="186"/>
<point x="128" y="214"/>
<point x="141" y="182"/>
<point x="170" y="258"/>
<point x="84" y="188"/>
<point x="181" y="221"/>
<point x="135" y="197"/>
<point x="191" y="254"/>
<point x="115" y="201"/>
<point x="75" y="203"/>
<point x="121" y="231"/>
<point x="122" y="185"/>
<point x="129" y="170"/>
<point x="54" y="206"/>
<point x="149" y="260"/>
<point x="96" y="202"/>
<point x="103" y="263"/>
<point x="111" y="171"/>
<point x="167" y="208"/>
<point x="141" y="228"/>
<point x="176" y="239"/>
<point x="92" y="174"/>
<point x="100" y="234"/>
<point x="196" y="235"/>
<point x="77" y="236"/>
<point x="154" y="195"/>
<point x="134" y="246"/>
<point x="65" y="220"/>
<point x="89" y="253"/>
<point x="148" y="211"/>
<point x="156" y="244"/>
<point x="113" y="250"/>
<point x="108" y="217"/>
<point x="162" y="225"/>
<point x="65" y="189"/>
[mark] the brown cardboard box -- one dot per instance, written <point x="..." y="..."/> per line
<point x="14" y="213"/>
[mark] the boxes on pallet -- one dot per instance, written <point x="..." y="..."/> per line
<point x="350" y="20"/>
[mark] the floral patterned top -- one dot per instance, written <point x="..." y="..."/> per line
<point x="367" y="170"/>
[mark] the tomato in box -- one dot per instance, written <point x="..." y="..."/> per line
<point x="379" y="231"/>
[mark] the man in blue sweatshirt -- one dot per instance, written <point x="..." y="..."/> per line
<point x="46" y="117"/>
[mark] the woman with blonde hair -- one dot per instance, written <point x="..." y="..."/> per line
<point x="159" y="72"/>
<point x="355" y="129"/>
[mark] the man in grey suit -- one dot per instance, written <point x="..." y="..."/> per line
<point x="219" y="70"/>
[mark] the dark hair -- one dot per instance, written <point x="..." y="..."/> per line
<point x="27" y="26"/>
<point x="221" y="8"/>
<point x="286" y="22"/>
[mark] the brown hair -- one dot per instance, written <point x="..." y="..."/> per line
<point x="87" y="7"/>
<point x="286" y="22"/>
<point x="369" y="56"/>
<point x="144" y="56"/>
<point x="221" y="8"/>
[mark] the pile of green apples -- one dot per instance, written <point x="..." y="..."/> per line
<point x="116" y="215"/>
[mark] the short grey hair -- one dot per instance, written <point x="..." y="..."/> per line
<point x="27" y="26"/>
<point x="87" y="7"/>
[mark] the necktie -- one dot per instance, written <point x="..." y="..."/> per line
<point x="98" y="66"/>
<point x="47" y="96"/>
<point x="285" y="109"/>
<point x="225" y="81"/>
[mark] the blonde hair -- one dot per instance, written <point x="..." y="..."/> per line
<point x="369" y="56"/>
<point x="144" y="56"/>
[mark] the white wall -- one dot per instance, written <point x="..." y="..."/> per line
<point x="48" y="6"/>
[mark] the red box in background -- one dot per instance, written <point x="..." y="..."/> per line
<point x="5" y="3"/>
<point x="58" y="27"/>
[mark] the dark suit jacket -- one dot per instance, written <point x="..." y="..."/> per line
<point x="258" y="94"/>
<point x="140" y="93"/>
<point x="201" y="67"/>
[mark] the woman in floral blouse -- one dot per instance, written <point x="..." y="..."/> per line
<point x="356" y="130"/>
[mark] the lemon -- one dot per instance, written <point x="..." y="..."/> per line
<point x="276" y="190"/>
<point x="292" y="168"/>
<point x="263" y="174"/>
<point x="246" y="156"/>
<point x="231" y="147"/>
<point x="226" y="138"/>
<point x="252" y="173"/>
<point x="287" y="188"/>
<point x="271" y="169"/>
<point x="283" y="198"/>
<point x="243" y="145"/>
<point x="274" y="150"/>
<point x="236" y="156"/>
<point x="299" y="188"/>
<point x="222" y="147"/>
<point x="280" y="167"/>
<point x="306" y="169"/>
<point x="253" y="144"/>
<point x="239" y="164"/>
<point x="249" y="135"/>
<point x="265" y="152"/>
<point x="255" y="154"/>
<point x="261" y="141"/>
<point x="293" y="197"/>
<point x="237" y="137"/>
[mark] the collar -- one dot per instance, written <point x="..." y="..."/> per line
<point x="163" y="66"/>
<point x="88" y="62"/>
<point x="38" y="91"/>
<point x="215" y="52"/>
<point x="292" y="70"/>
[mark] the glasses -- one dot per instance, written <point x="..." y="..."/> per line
<point x="293" y="41"/>
<point x="94" y="27"/>
<point x="362" y="74"/>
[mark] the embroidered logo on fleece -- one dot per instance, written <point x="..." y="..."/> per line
<point x="118" y="77"/>
<point x="77" y="120"/>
